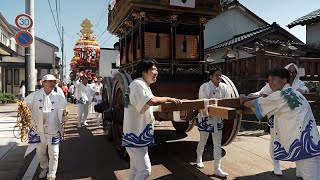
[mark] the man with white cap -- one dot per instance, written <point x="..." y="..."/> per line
<point x="83" y="94"/>
<point x="47" y="107"/>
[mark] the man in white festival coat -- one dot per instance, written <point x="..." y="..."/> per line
<point x="296" y="137"/>
<point x="138" y="122"/>
<point x="47" y="107"/>
<point x="206" y="124"/>
<point x="83" y="94"/>
<point x="296" y="84"/>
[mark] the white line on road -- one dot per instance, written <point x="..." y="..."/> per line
<point x="31" y="169"/>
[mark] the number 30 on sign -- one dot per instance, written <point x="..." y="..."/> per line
<point x="24" y="21"/>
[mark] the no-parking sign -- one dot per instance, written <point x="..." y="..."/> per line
<point x="24" y="21"/>
<point x="24" y="38"/>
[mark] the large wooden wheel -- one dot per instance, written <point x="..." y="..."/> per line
<point x="189" y="118"/>
<point x="106" y="96"/>
<point x="231" y="126"/>
<point x="180" y="89"/>
<point x="121" y="82"/>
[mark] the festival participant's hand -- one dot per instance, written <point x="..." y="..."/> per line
<point x="175" y="101"/>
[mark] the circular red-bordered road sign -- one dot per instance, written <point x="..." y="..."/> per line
<point x="24" y="38"/>
<point x="24" y="21"/>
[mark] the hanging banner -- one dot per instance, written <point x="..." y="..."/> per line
<point x="183" y="3"/>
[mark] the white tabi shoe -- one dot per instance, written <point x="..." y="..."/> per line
<point x="85" y="123"/>
<point x="276" y="169"/>
<point x="43" y="173"/>
<point x="200" y="165"/>
<point x="217" y="169"/>
<point x="298" y="174"/>
<point x="220" y="173"/>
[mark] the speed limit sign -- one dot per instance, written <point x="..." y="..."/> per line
<point x="24" y="21"/>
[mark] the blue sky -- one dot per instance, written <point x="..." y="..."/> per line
<point x="73" y="12"/>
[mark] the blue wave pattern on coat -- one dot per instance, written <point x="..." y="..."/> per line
<point x="205" y="126"/>
<point x="56" y="139"/>
<point x="299" y="149"/>
<point x="220" y="126"/>
<point x="80" y="101"/>
<point x="270" y="121"/>
<point x="33" y="137"/>
<point x="146" y="138"/>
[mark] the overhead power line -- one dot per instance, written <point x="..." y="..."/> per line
<point x="55" y="23"/>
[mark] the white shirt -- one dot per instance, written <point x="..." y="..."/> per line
<point x="84" y="92"/>
<point x="138" y="130"/>
<point x="22" y="91"/>
<point x="206" y="91"/>
<point x="71" y="89"/>
<point x="47" y="106"/>
<point x="97" y="88"/>
<point x="297" y="84"/>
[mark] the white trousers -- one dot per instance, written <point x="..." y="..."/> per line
<point x="216" y="139"/>
<point x="140" y="165"/>
<point x="91" y="109"/>
<point x="271" y="148"/>
<point x="98" y="117"/>
<point x="309" y="168"/>
<point x="52" y="164"/>
<point x="82" y="112"/>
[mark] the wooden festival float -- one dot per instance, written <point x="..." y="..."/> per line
<point x="172" y="33"/>
<point x="86" y="53"/>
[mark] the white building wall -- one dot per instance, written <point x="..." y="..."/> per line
<point x="107" y="57"/>
<point x="313" y="34"/>
<point x="44" y="53"/>
<point x="229" y="23"/>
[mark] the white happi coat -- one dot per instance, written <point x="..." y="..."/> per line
<point x="83" y="93"/>
<point x="138" y="122"/>
<point x="36" y="102"/>
<point x="206" y="91"/>
<point x="296" y="136"/>
<point x="97" y="98"/>
<point x="297" y="84"/>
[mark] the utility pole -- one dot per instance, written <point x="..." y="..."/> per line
<point x="62" y="77"/>
<point x="30" y="69"/>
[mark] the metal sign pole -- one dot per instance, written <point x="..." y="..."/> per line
<point x="30" y="51"/>
<point x="26" y="70"/>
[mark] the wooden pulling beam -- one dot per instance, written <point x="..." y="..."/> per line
<point x="223" y="108"/>
<point x="199" y="104"/>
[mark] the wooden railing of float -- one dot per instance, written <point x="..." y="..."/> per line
<point x="258" y="65"/>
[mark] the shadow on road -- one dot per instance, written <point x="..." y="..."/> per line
<point x="288" y="174"/>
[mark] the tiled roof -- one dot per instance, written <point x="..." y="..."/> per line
<point x="278" y="42"/>
<point x="254" y="34"/>
<point x="240" y="37"/>
<point x="309" y="18"/>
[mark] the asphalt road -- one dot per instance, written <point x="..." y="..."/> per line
<point x="88" y="154"/>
